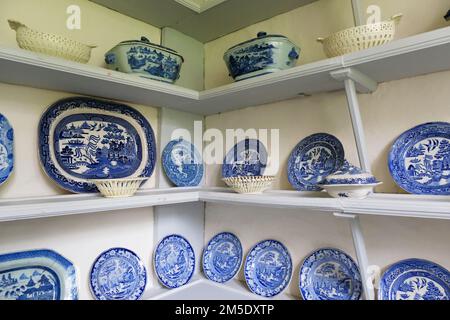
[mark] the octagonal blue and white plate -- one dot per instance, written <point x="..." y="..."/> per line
<point x="313" y="159"/>
<point x="174" y="261"/>
<point x="222" y="257"/>
<point x="415" y="279"/>
<point x="37" y="275"/>
<point x="182" y="163"/>
<point x="6" y="149"/>
<point x="118" y="274"/>
<point x="268" y="268"/>
<point x="82" y="139"/>
<point x="330" y="274"/>
<point x="247" y="158"/>
<point x="419" y="160"/>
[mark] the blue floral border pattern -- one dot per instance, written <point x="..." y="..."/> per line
<point x="253" y="164"/>
<point x="309" y="281"/>
<point x="415" y="279"/>
<point x="404" y="148"/>
<point x="6" y="149"/>
<point x="349" y="169"/>
<point x="209" y="260"/>
<point x="70" y="280"/>
<point x="132" y="260"/>
<point x="250" y="267"/>
<point x="76" y="102"/>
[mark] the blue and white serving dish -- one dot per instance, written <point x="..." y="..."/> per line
<point x="313" y="159"/>
<point x="329" y="274"/>
<point x="145" y="59"/>
<point x="268" y="268"/>
<point x="415" y="279"/>
<point x="118" y="274"/>
<point x="83" y="139"/>
<point x="419" y="160"/>
<point x="174" y="261"/>
<point x="37" y="275"/>
<point x="6" y="149"/>
<point x="261" y="55"/>
<point x="222" y="257"/>
<point x="182" y="163"/>
<point x="247" y="158"/>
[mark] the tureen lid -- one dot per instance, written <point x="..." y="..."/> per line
<point x="350" y="174"/>
<point x="259" y="36"/>
<point x="146" y="41"/>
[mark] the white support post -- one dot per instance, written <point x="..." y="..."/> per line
<point x="357" y="13"/>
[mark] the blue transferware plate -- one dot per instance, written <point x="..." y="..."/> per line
<point x="415" y="279"/>
<point x="82" y="139"/>
<point x="247" y="158"/>
<point x="330" y="274"/>
<point x="6" y="149"/>
<point x="182" y="163"/>
<point x="118" y="274"/>
<point x="268" y="268"/>
<point x="174" y="261"/>
<point x="313" y="159"/>
<point x="222" y="257"/>
<point x="37" y="275"/>
<point x="419" y="160"/>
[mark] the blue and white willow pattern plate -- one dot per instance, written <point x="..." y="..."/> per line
<point x="268" y="268"/>
<point x="118" y="274"/>
<point x="37" y="275"/>
<point x="415" y="279"/>
<point x="330" y="274"/>
<point x="182" y="163"/>
<point x="419" y="160"/>
<point x="82" y="139"/>
<point x="222" y="257"/>
<point x="174" y="261"/>
<point x="313" y="159"/>
<point x="247" y="158"/>
<point x="6" y="149"/>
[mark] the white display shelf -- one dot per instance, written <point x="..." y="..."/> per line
<point x="417" y="55"/>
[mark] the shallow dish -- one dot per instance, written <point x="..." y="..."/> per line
<point x="118" y="188"/>
<point x="249" y="184"/>
<point x="6" y="149"/>
<point x="247" y="158"/>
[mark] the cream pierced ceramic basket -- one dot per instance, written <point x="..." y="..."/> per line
<point x="249" y="184"/>
<point x="118" y="188"/>
<point x="50" y="44"/>
<point x="360" y="37"/>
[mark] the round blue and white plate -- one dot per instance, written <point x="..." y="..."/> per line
<point x="419" y="160"/>
<point x="247" y="158"/>
<point x="268" y="268"/>
<point x="415" y="279"/>
<point x="222" y="258"/>
<point x="174" y="261"/>
<point x="313" y="159"/>
<point x="330" y="274"/>
<point x="118" y="274"/>
<point x="182" y="163"/>
<point x="6" y="149"/>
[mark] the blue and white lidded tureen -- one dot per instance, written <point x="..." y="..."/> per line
<point x="350" y="182"/>
<point x="262" y="55"/>
<point x="147" y="59"/>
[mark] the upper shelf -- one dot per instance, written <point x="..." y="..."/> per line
<point x="413" y="56"/>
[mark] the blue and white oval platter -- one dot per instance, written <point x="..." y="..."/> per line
<point x="268" y="268"/>
<point x="222" y="258"/>
<point x="247" y="158"/>
<point x="313" y="159"/>
<point x="6" y="149"/>
<point x="174" y="261"/>
<point x="415" y="279"/>
<point x="82" y="139"/>
<point x="419" y="160"/>
<point x="118" y="274"/>
<point x="329" y="274"/>
<point x="182" y="163"/>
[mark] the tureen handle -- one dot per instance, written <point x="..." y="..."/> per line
<point x="15" y="24"/>
<point x="145" y="39"/>
<point x="261" y="34"/>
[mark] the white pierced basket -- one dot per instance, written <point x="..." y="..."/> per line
<point x="50" y="44"/>
<point x="361" y="37"/>
<point x="118" y="188"/>
<point x="249" y="184"/>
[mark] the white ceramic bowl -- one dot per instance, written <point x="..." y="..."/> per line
<point x="118" y="188"/>
<point x="249" y="184"/>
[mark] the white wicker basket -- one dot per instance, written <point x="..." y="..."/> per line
<point x="50" y="44"/>
<point x="361" y="37"/>
<point x="250" y="184"/>
<point x="118" y="188"/>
